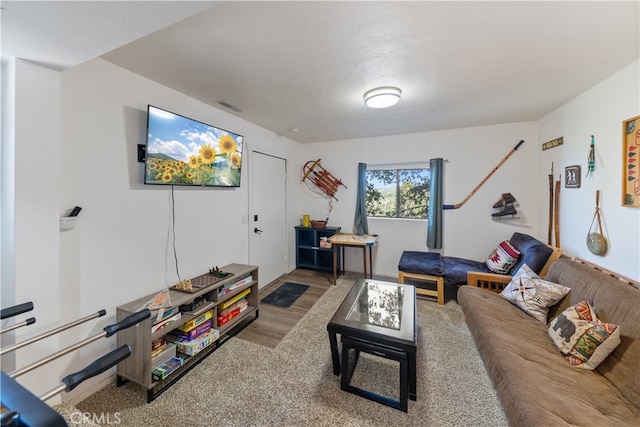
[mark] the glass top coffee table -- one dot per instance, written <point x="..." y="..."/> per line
<point x="378" y="318"/>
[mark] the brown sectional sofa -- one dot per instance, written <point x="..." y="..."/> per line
<point x="536" y="385"/>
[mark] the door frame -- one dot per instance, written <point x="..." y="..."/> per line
<point x="251" y="210"/>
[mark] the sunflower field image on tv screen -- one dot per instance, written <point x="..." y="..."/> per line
<point x="183" y="151"/>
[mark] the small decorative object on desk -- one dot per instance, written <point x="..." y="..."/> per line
<point x="215" y="271"/>
<point x="316" y="223"/>
<point x="194" y="285"/>
<point x="324" y="243"/>
<point x="354" y="239"/>
<point x="219" y="274"/>
<point x="184" y="285"/>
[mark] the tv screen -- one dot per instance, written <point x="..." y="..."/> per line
<point x="183" y="151"/>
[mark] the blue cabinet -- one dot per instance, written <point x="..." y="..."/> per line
<point x="310" y="254"/>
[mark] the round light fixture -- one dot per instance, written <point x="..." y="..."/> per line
<point x="382" y="97"/>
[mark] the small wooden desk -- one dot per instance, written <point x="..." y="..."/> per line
<point x="354" y="240"/>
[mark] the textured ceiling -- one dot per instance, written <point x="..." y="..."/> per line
<point x="63" y="34"/>
<point x="306" y="65"/>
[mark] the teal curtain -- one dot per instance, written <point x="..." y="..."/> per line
<point x="434" y="213"/>
<point x="360" y="225"/>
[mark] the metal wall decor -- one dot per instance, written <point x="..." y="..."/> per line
<point x="553" y="143"/>
<point x="572" y="176"/>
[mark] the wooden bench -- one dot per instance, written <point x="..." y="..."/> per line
<point x="408" y="268"/>
<point x="439" y="283"/>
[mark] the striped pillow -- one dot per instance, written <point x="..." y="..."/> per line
<point x="502" y="258"/>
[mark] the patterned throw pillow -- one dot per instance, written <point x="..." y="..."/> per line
<point x="582" y="338"/>
<point x="533" y="295"/>
<point x="502" y="258"/>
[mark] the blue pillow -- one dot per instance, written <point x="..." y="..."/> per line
<point x="533" y="252"/>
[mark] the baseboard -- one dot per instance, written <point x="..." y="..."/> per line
<point x="91" y="389"/>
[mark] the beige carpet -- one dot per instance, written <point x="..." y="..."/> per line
<point x="243" y="384"/>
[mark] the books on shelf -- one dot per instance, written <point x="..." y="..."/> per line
<point x="196" y="321"/>
<point x="166" y="322"/>
<point x="223" y="319"/>
<point x="158" y="346"/>
<point x="193" y="347"/>
<point x="194" y="333"/>
<point x="235" y="285"/>
<point x="162" y="314"/>
<point x="159" y="358"/>
<point x="236" y="298"/>
<point x="232" y="311"/>
<point x="166" y="369"/>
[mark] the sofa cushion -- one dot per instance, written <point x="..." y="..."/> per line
<point x="456" y="269"/>
<point x="502" y="258"/>
<point x="427" y="263"/>
<point x="533" y="295"/>
<point x="615" y="302"/>
<point x="582" y="338"/>
<point x="534" y="253"/>
<point x="536" y="386"/>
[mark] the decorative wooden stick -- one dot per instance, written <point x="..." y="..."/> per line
<point x="550" y="231"/>
<point x="486" y="178"/>
<point x="556" y="210"/>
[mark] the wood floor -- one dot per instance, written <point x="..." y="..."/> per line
<point x="275" y="322"/>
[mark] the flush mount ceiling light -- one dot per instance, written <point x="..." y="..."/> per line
<point x="382" y="97"/>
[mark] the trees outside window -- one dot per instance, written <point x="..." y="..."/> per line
<point x="398" y="193"/>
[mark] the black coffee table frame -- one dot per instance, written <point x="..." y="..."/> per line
<point x="397" y="344"/>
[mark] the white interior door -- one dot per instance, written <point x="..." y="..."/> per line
<point x="267" y="216"/>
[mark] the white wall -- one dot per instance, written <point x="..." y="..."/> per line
<point x="599" y="112"/>
<point x="471" y="154"/>
<point x="76" y="144"/>
<point x="36" y="248"/>
<point x="7" y="201"/>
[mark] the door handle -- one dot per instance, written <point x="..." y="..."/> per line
<point x="255" y="230"/>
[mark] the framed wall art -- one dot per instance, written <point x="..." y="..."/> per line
<point x="572" y="176"/>
<point x="630" y="159"/>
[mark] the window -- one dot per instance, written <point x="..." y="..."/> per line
<point x="397" y="193"/>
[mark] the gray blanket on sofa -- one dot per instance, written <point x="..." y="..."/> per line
<point x="536" y="385"/>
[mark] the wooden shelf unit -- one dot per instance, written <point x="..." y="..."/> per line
<point x="138" y="366"/>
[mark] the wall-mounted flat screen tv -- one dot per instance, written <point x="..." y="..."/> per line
<point x="183" y="151"/>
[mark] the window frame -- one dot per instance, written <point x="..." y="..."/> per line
<point x="398" y="168"/>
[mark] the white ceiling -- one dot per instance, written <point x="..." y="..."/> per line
<point x="307" y="64"/>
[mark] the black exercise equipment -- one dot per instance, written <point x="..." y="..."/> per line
<point x="47" y="334"/>
<point x="21" y="408"/>
<point x="15" y="310"/>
